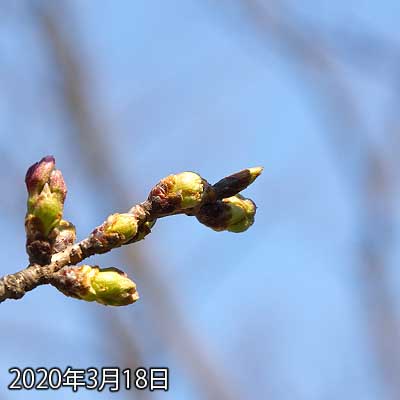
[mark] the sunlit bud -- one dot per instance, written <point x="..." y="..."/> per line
<point x="234" y="214"/>
<point x="46" y="195"/>
<point x="108" y="286"/>
<point x="178" y="192"/>
<point x="38" y="174"/>
<point x="125" y="225"/>
<point x="46" y="207"/>
<point x="237" y="182"/>
<point x="243" y="212"/>
<point x="190" y="187"/>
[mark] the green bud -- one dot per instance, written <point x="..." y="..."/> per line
<point x="233" y="214"/>
<point x="47" y="208"/>
<point x="46" y="196"/>
<point x="242" y="213"/>
<point x="178" y="192"/>
<point x="190" y="187"/>
<point x="125" y="225"/>
<point x="108" y="286"/>
<point x="114" y="288"/>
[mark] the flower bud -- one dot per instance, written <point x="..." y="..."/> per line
<point x="108" y="286"/>
<point x="233" y="214"/>
<point x="243" y="211"/>
<point x="235" y="183"/>
<point x="57" y="185"/>
<point x="38" y="174"/>
<point x="46" y="196"/>
<point x="190" y="187"/>
<point x="47" y="208"/>
<point x="178" y="192"/>
<point x="125" y="225"/>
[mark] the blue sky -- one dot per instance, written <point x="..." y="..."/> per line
<point x="185" y="86"/>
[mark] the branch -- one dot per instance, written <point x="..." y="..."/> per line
<point x="218" y="206"/>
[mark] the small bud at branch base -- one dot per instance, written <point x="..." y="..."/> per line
<point x="108" y="286"/>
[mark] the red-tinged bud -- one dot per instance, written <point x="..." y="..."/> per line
<point x="47" y="191"/>
<point x="38" y="174"/>
<point x="57" y="184"/>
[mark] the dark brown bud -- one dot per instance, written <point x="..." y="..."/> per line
<point x="235" y="183"/>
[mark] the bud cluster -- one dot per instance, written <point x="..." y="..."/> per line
<point x="50" y="238"/>
<point x="46" y="196"/>
<point x="217" y="206"/>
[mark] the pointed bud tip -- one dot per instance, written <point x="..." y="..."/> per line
<point x="255" y="172"/>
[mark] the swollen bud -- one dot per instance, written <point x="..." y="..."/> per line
<point x="108" y="286"/>
<point x="233" y="214"/>
<point x="178" y="192"/>
<point x="46" y="196"/>
<point x="125" y="225"/>
<point x="242" y="213"/>
<point x="47" y="208"/>
<point x="190" y="187"/>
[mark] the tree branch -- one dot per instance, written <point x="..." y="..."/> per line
<point x="185" y="193"/>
